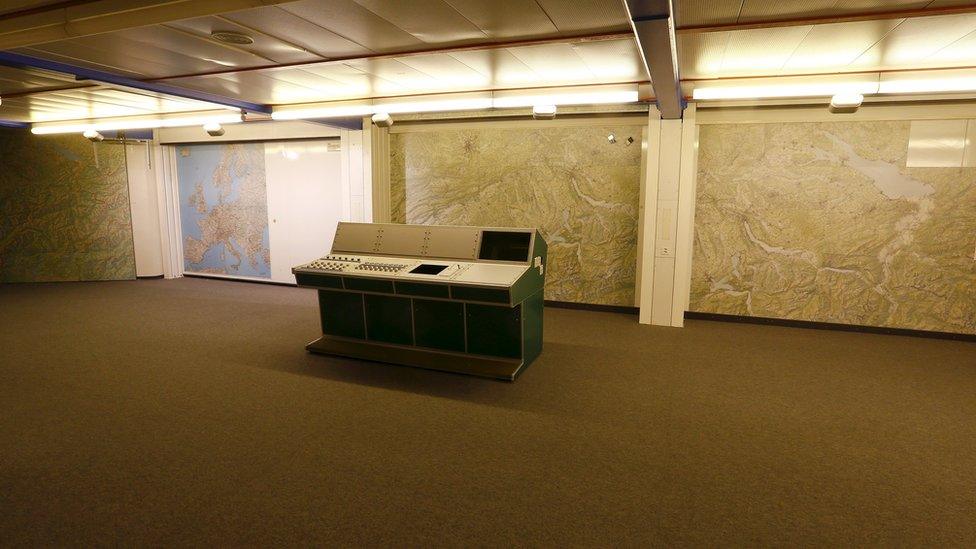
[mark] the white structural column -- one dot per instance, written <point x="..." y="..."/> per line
<point x="666" y="231"/>
<point x="687" y="196"/>
<point x="376" y="151"/>
<point x="144" y="207"/>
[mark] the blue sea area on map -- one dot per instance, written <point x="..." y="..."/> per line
<point x="196" y="164"/>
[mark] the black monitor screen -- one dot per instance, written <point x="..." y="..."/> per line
<point x="428" y="269"/>
<point x="504" y="246"/>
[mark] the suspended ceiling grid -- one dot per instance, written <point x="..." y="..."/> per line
<point x="320" y="50"/>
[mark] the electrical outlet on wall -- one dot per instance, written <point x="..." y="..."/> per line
<point x="665" y="250"/>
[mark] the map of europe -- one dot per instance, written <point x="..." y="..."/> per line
<point x="224" y="209"/>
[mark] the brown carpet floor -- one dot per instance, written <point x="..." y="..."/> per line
<point x="186" y="412"/>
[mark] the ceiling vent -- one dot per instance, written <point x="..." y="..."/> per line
<point x="231" y="37"/>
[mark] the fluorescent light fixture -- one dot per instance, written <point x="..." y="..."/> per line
<point x="106" y="124"/>
<point x="785" y="86"/>
<point x="928" y="82"/>
<point x="433" y="103"/>
<point x="581" y="96"/>
<point x="467" y="103"/>
<point x="323" y="112"/>
<point x="845" y="103"/>
<point x="589" y="95"/>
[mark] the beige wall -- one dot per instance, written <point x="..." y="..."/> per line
<point x="580" y="190"/>
<point x="824" y="222"/>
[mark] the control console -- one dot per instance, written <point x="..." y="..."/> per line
<point x="461" y="299"/>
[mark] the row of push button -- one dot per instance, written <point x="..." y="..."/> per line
<point x="326" y="265"/>
<point x="381" y="267"/>
<point x="342" y="258"/>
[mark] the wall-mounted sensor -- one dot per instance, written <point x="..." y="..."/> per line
<point x="544" y="112"/>
<point x="213" y="129"/>
<point x="845" y="103"/>
<point x="382" y="120"/>
<point x="93" y="136"/>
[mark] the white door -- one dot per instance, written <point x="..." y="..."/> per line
<point x="304" y="201"/>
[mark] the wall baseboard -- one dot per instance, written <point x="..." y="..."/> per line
<point x="592" y="307"/>
<point x="692" y="315"/>
<point x="149" y="277"/>
<point x="245" y="280"/>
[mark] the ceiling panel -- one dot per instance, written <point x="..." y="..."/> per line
<point x="764" y="10"/>
<point x="179" y="47"/>
<point x="268" y="47"/>
<point x="275" y="21"/>
<point x="14" y="80"/>
<point x="701" y="55"/>
<point x="502" y="68"/>
<point x="915" y="40"/>
<point x="272" y="88"/>
<point x="760" y="50"/>
<point x="506" y="18"/>
<point x="837" y="45"/>
<point x="149" y="52"/>
<point x="961" y="53"/>
<point x="706" y="12"/>
<point x="391" y="77"/>
<point x="448" y="70"/>
<point x="716" y="12"/>
<point x="575" y="16"/>
<point x="554" y="62"/>
<point x="891" y="44"/>
<point x="430" y="21"/>
<point x="612" y="60"/>
<point x="92" y="102"/>
<point x="84" y="55"/>
<point x="356" y="23"/>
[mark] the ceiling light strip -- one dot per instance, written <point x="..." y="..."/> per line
<point x="502" y="99"/>
<point x="107" y="124"/>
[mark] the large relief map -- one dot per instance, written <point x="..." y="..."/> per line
<point x="66" y="209"/>
<point x="578" y="188"/>
<point x="224" y="210"/>
<point x="824" y="222"/>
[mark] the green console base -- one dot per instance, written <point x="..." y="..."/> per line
<point x="506" y="369"/>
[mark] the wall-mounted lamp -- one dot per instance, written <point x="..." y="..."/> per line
<point x="544" y="112"/>
<point x="382" y="120"/>
<point x="93" y="136"/>
<point x="845" y="103"/>
<point x="213" y="129"/>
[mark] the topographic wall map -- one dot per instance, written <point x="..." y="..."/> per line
<point x="65" y="216"/>
<point x="823" y="222"/>
<point x="580" y="190"/>
<point x="224" y="209"/>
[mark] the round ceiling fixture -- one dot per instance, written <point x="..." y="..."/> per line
<point x="232" y="37"/>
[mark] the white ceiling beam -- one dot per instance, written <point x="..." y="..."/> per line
<point x="653" y="24"/>
<point x="72" y="19"/>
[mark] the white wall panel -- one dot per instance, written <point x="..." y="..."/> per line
<point x="304" y="202"/>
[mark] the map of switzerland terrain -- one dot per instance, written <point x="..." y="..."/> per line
<point x="825" y="222"/>
<point x="224" y="210"/>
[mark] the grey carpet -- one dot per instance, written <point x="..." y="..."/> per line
<point x="186" y="412"/>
